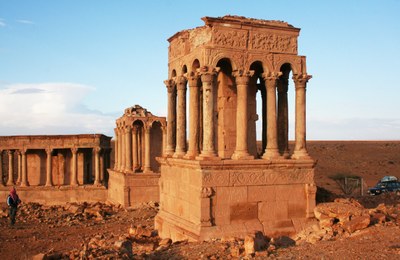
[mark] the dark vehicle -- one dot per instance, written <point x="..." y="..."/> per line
<point x="387" y="186"/>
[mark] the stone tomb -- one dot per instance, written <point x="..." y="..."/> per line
<point x="220" y="185"/>
<point x="139" y="137"/>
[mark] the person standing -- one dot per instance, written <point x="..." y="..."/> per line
<point x="12" y="202"/>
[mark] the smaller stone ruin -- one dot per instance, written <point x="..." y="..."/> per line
<point x="139" y="139"/>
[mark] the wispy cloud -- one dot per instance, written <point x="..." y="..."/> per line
<point x="50" y="108"/>
<point x="25" y="21"/>
<point x="2" y="23"/>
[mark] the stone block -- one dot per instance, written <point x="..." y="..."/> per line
<point x="231" y="195"/>
<point x="261" y="193"/>
<point x="222" y="214"/>
<point x="241" y="212"/>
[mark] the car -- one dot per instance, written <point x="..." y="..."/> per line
<point x="386" y="186"/>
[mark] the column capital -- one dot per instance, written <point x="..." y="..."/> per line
<point x="128" y="129"/>
<point x="193" y="80"/>
<point x="147" y="129"/>
<point x="17" y="152"/>
<point x="96" y="150"/>
<point x="74" y="150"/>
<point x="271" y="75"/>
<point x="208" y="73"/>
<point x="181" y="82"/>
<point x="300" y="80"/>
<point x="23" y="151"/>
<point x="171" y="85"/>
<point x="242" y="77"/>
<point x="49" y="150"/>
<point x="10" y="152"/>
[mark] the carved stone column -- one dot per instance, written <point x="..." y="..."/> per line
<point x="128" y="149"/>
<point x="164" y="139"/>
<point x="10" y="180"/>
<point x="96" y="152"/>
<point x="135" y="147"/>
<point x="24" y="174"/>
<point x="74" y="167"/>
<point x="283" y="117"/>
<point x="116" y="161"/>
<point x="147" y="162"/>
<point x="208" y="76"/>
<point x="300" y="81"/>
<point x="49" y="180"/>
<point x="19" y="166"/>
<point x="119" y="149"/>
<point x="180" y="150"/>
<point x="123" y="150"/>
<point x="242" y="85"/>
<point x="1" y="168"/>
<point x="171" y="117"/>
<point x="272" y="151"/>
<point x="194" y="115"/>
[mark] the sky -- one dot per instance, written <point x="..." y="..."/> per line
<point x="72" y="67"/>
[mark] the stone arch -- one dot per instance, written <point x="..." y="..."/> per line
<point x="195" y="65"/>
<point x="257" y="110"/>
<point x="295" y="66"/>
<point x="222" y="56"/>
<point x="173" y="73"/>
<point x="225" y="107"/>
<point x="184" y="70"/>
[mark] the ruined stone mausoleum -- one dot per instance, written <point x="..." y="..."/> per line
<point x="217" y="184"/>
<point x="54" y="169"/>
<point x="139" y="138"/>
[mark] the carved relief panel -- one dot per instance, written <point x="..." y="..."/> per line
<point x="273" y="42"/>
<point x="230" y="38"/>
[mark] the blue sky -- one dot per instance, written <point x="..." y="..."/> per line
<point x="70" y="67"/>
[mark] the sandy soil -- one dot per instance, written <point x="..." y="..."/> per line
<point x="62" y="232"/>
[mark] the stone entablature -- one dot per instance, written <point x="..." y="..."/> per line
<point x="54" y="160"/>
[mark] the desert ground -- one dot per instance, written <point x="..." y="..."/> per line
<point x="104" y="231"/>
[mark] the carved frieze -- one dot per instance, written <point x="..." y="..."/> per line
<point x="273" y="42"/>
<point x="230" y="38"/>
<point x="270" y="177"/>
<point x="215" y="178"/>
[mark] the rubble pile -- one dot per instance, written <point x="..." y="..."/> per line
<point x="346" y="217"/>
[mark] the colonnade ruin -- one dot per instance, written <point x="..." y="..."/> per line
<point x="203" y="164"/>
<point x="40" y="165"/>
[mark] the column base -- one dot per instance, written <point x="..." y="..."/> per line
<point x="147" y="170"/>
<point x="301" y="154"/>
<point x="48" y="185"/>
<point x="205" y="157"/>
<point x="24" y="184"/>
<point x="190" y="155"/>
<point x="10" y="183"/>
<point x="179" y="154"/>
<point x="271" y="153"/>
<point x="74" y="185"/>
<point x="242" y="155"/>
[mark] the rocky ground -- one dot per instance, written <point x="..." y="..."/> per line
<point x="360" y="227"/>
